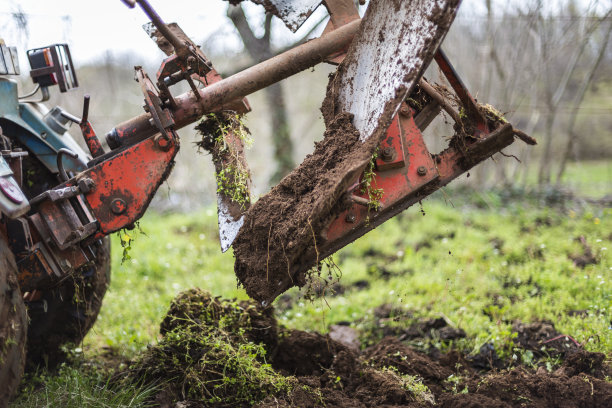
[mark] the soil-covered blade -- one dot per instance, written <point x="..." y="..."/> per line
<point x="281" y="232"/>
<point x="292" y="12"/>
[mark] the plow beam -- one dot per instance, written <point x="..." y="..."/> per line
<point x="224" y="94"/>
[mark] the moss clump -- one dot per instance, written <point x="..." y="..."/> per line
<point x="224" y="135"/>
<point x="213" y="351"/>
<point x="492" y="115"/>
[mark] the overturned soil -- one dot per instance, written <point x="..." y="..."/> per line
<point x="283" y="229"/>
<point x="224" y="353"/>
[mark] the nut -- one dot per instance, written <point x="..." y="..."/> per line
<point x="118" y="206"/>
<point x="163" y="143"/>
<point x="350" y="218"/>
<point x="421" y="170"/>
<point x="387" y="154"/>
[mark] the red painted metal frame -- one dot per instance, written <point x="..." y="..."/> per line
<point x="396" y="183"/>
<point x="403" y="187"/>
<point x="125" y="185"/>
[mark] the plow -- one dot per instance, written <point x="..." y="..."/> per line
<point x="60" y="203"/>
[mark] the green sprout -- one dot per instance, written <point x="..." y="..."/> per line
<point x="369" y="177"/>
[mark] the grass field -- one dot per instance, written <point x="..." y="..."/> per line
<point x="480" y="260"/>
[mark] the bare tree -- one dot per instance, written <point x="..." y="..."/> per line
<point x="573" y="137"/>
<point x="260" y="49"/>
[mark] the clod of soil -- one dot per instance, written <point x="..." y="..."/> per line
<point x="519" y="388"/>
<point x="283" y="229"/>
<point x="225" y="353"/>
<point x="543" y="339"/>
<point x="212" y="351"/>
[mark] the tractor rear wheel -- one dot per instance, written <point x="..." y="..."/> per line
<point x="13" y="325"/>
<point x="64" y="315"/>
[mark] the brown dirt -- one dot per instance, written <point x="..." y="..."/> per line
<point x="282" y="233"/>
<point x="586" y="257"/>
<point x="323" y="372"/>
<point x="283" y="228"/>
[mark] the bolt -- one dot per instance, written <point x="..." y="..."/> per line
<point x="86" y="185"/>
<point x="118" y="206"/>
<point x="387" y="154"/>
<point x="421" y="170"/>
<point x="350" y="218"/>
<point x="163" y="143"/>
<point x="405" y="110"/>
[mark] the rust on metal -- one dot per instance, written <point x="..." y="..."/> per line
<point x="224" y="94"/>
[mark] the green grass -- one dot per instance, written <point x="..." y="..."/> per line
<point x="457" y="272"/>
<point x="589" y="179"/>
<point x="79" y="387"/>
<point x="480" y="260"/>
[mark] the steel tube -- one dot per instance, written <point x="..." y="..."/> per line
<point x="221" y="94"/>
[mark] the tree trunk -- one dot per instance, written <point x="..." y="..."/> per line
<point x="260" y="49"/>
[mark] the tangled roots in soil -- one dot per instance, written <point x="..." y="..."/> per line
<point x="213" y="351"/>
<point x="226" y="353"/>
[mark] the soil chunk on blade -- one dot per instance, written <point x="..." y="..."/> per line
<point x="283" y="228"/>
<point x="283" y="232"/>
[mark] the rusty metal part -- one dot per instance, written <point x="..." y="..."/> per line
<point x="341" y="12"/>
<point x="293" y="12"/>
<point x="468" y="103"/>
<point x="187" y="58"/>
<point x="443" y="102"/>
<point x="88" y="132"/>
<point x="224" y="94"/>
<point x="392" y="150"/>
<point x="133" y="175"/>
<point x="60" y="162"/>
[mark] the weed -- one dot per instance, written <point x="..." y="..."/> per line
<point x="209" y="352"/>
<point x="367" y="179"/>
<point x="455" y="382"/>
<point x="492" y="115"/>
<point x="232" y="174"/>
<point x="414" y="385"/>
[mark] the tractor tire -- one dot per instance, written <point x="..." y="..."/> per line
<point x="13" y="326"/>
<point x="65" y="314"/>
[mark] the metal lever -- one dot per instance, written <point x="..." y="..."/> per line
<point x="92" y="141"/>
<point x="179" y="46"/>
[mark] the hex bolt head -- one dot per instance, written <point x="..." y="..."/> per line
<point x="118" y="206"/>
<point x="405" y="110"/>
<point x="387" y="154"/>
<point x="163" y="143"/>
<point x="350" y="218"/>
<point x="421" y="170"/>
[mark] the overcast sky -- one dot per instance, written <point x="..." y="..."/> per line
<point x="91" y="28"/>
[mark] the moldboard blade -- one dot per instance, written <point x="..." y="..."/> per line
<point x="292" y="12"/>
<point x="229" y="212"/>
<point x="284" y="230"/>
<point x="396" y="42"/>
